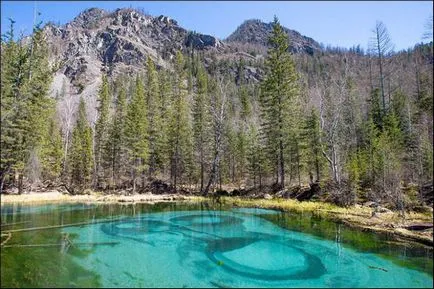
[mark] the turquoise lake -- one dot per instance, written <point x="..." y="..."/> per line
<point x="199" y="245"/>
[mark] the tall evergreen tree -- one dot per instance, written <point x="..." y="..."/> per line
<point x="180" y="130"/>
<point x="165" y="103"/>
<point x="313" y="150"/>
<point x="52" y="151"/>
<point x="102" y="131"/>
<point x="279" y="88"/>
<point x="155" y="127"/>
<point x="81" y="153"/>
<point x="25" y="107"/>
<point x="256" y="157"/>
<point x="201" y="122"/>
<point x="117" y="136"/>
<point x="136" y="131"/>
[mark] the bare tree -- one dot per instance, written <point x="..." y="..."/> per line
<point x="66" y="109"/>
<point x="217" y="109"/>
<point x="427" y="35"/>
<point x="335" y="107"/>
<point x="382" y="45"/>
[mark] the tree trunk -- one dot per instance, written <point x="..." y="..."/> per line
<point x="298" y="163"/>
<point x="215" y="161"/>
<point x="282" y="164"/>
<point x="317" y="166"/>
<point x="212" y="174"/>
<point x="370" y="74"/>
<point x="134" y="175"/>
<point x="202" y="169"/>
<point x="20" y="183"/>
<point x="65" y="158"/>
<point x="114" y="168"/>
<point x="3" y="177"/>
<point x="380" y="60"/>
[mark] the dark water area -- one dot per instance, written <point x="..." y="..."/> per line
<point x="199" y="245"/>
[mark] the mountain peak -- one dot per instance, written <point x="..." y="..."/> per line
<point x="89" y="17"/>
<point x="255" y="31"/>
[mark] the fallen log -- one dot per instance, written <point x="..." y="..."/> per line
<point x="7" y="239"/>
<point x="382" y="269"/>
<point x="58" y="245"/>
<point x="61" y="226"/>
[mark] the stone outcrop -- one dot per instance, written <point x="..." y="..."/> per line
<point x="98" y="41"/>
<point x="257" y="32"/>
<point x="119" y="42"/>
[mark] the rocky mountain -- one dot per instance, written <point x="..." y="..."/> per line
<point x="99" y="41"/>
<point x="255" y="31"/>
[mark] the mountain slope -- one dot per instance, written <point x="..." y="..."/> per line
<point x="98" y="41"/>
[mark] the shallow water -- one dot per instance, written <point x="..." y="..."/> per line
<point x="195" y="245"/>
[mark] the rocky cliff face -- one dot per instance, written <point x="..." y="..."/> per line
<point x="257" y="32"/>
<point x="98" y="41"/>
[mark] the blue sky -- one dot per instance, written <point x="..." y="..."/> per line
<point x="331" y="22"/>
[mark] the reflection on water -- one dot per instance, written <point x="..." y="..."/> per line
<point x="191" y="245"/>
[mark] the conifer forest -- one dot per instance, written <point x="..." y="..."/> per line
<point x="357" y="123"/>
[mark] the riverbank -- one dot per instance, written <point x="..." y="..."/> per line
<point x="355" y="216"/>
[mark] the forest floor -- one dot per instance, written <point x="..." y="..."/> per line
<point x="413" y="227"/>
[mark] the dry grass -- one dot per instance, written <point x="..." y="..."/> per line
<point x="356" y="216"/>
<point x="93" y="197"/>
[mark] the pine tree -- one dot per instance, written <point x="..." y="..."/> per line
<point x="256" y="157"/>
<point x="375" y="109"/>
<point x="278" y="91"/>
<point x="388" y="160"/>
<point x="117" y="136"/>
<point x="26" y="76"/>
<point x="136" y="131"/>
<point x="52" y="151"/>
<point x="242" y="139"/>
<point x="165" y="102"/>
<point x="180" y="130"/>
<point x="11" y="102"/>
<point x="313" y="150"/>
<point x="201" y="122"/>
<point x="102" y="131"/>
<point x="81" y="153"/>
<point x="155" y="127"/>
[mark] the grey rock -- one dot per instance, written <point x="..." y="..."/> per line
<point x="370" y="204"/>
<point x="267" y="196"/>
<point x="201" y="41"/>
<point x="383" y="210"/>
<point x="257" y="32"/>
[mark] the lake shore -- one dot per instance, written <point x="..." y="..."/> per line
<point x="357" y="216"/>
<point x="56" y="196"/>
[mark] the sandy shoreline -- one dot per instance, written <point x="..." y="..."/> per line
<point x="56" y="196"/>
